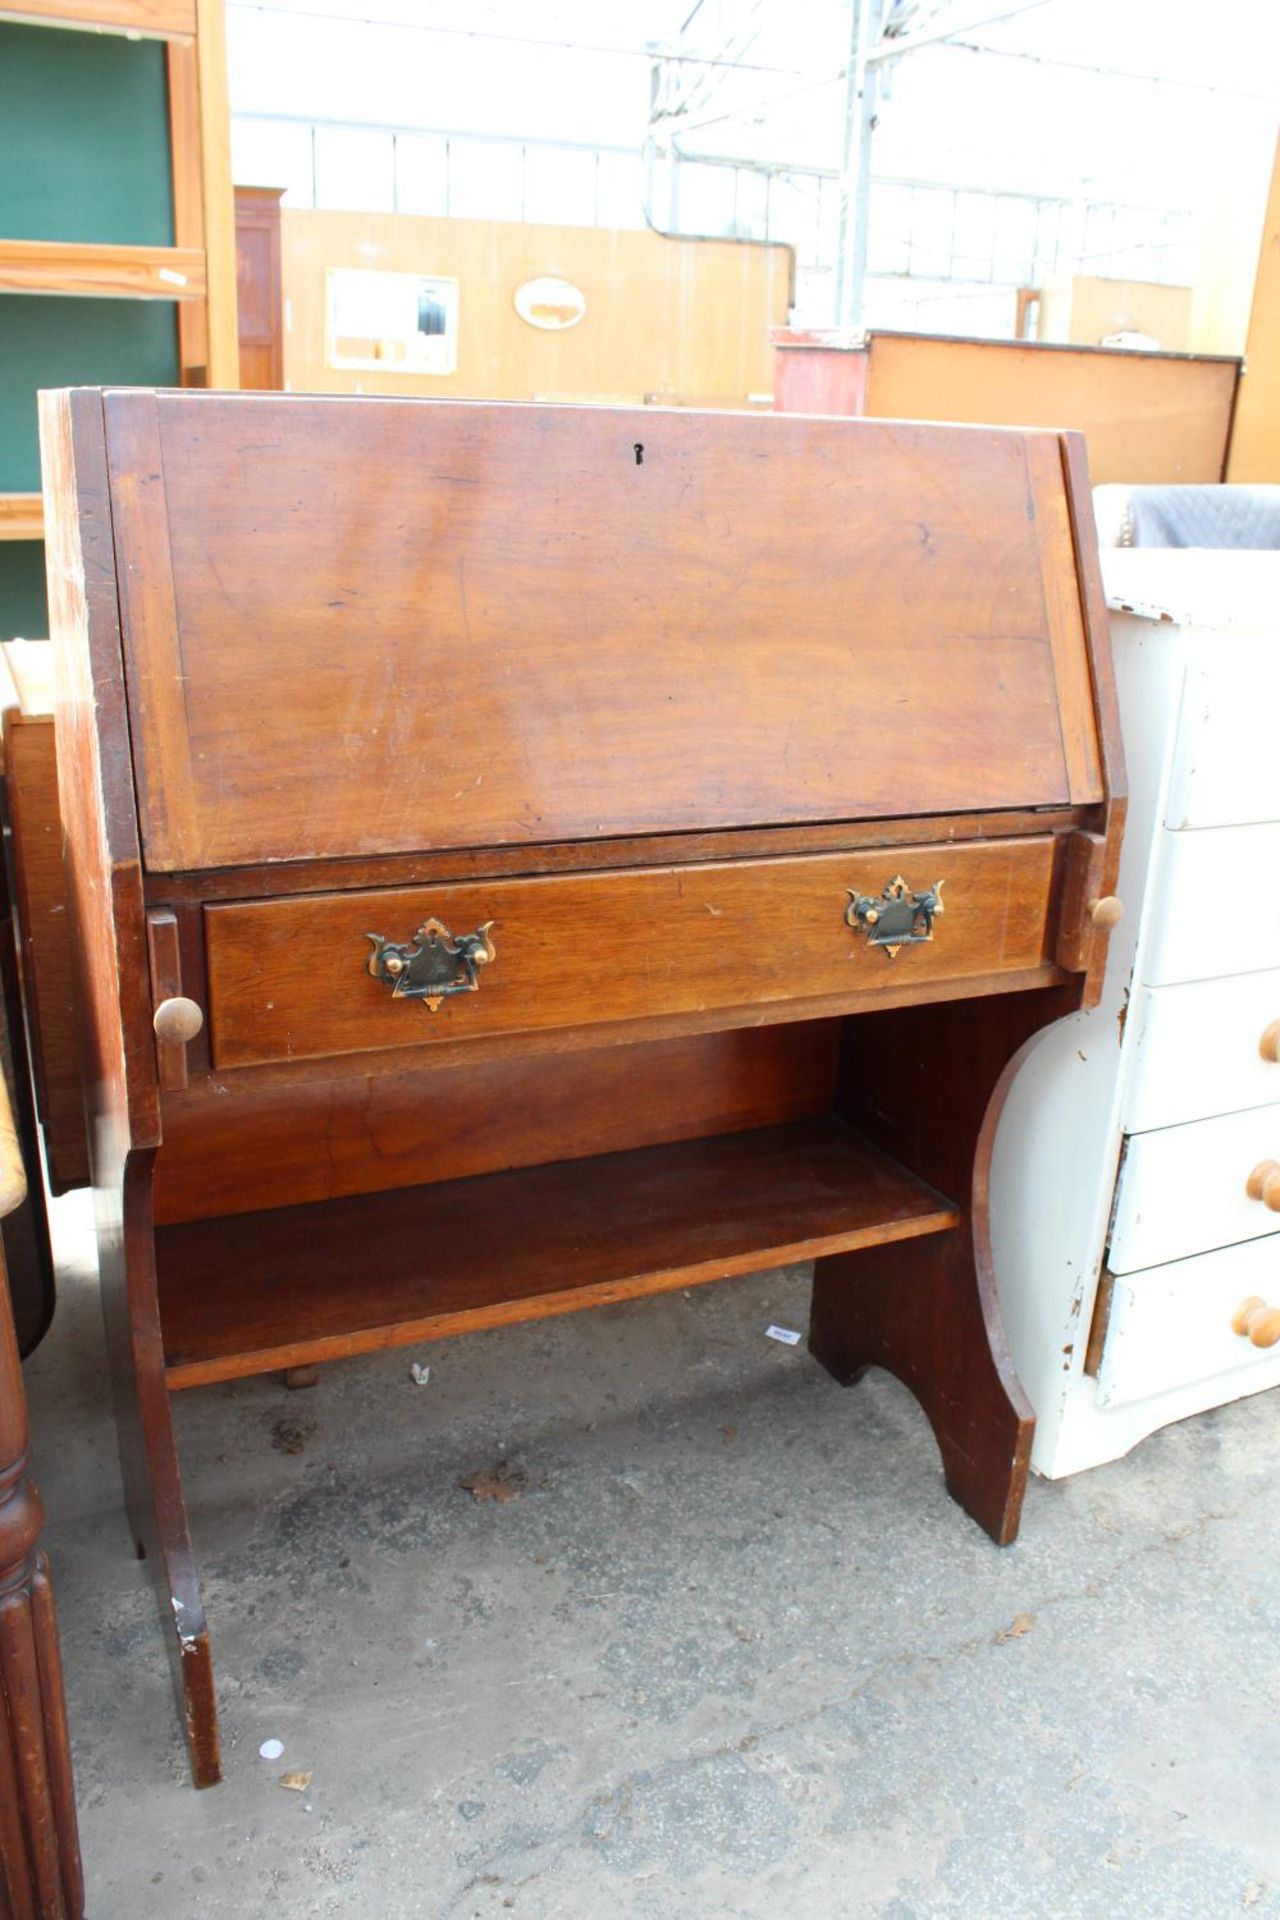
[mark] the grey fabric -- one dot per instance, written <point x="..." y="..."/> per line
<point x="1236" y="517"/>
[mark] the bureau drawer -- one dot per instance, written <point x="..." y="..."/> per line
<point x="1196" y="1050"/>
<point x="289" y="978"/>
<point x="1189" y="936"/>
<point x="1182" y="1189"/>
<point x="1171" y="1325"/>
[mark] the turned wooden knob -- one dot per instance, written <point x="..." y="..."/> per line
<point x="1107" y="912"/>
<point x="1269" y="1045"/>
<point x="1264" y="1184"/>
<point x="178" y="1020"/>
<point x="1258" y="1322"/>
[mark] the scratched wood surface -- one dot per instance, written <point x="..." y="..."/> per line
<point x="356" y="628"/>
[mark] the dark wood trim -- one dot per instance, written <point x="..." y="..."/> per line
<point x="117" y="1041"/>
<point x="40" y="1872"/>
<point x="1097" y="633"/>
<point x="930" y="1314"/>
<point x="574" y="856"/>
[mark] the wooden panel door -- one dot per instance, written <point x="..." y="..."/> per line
<point x="357" y="626"/>
<point x="259" y="299"/>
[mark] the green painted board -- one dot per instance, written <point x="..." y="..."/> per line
<point x="51" y="341"/>
<point x="23" y="612"/>
<point x="84" y="138"/>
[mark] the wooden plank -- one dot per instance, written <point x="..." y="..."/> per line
<point x="157" y="690"/>
<point x="580" y="856"/>
<point x="45" y="954"/>
<point x="288" y="979"/>
<point x="84" y="269"/>
<point x="40" y="1870"/>
<point x="247" y="1148"/>
<point x="218" y="210"/>
<point x="1066" y="625"/>
<point x="1255" y="436"/>
<point x="21" y="516"/>
<point x="166" y="984"/>
<point x="188" y="202"/>
<point x="260" y="1291"/>
<point x="1106" y="707"/>
<point x="149" y="19"/>
<point x="1148" y="417"/>
<point x="501" y="625"/>
<point x="108" y="931"/>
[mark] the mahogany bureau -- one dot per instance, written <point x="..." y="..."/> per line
<point x="527" y="857"/>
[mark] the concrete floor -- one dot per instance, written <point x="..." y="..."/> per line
<point x="732" y="1652"/>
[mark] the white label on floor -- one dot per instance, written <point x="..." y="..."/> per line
<point x="788" y="1335"/>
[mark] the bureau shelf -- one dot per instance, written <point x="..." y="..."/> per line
<point x="253" y="1292"/>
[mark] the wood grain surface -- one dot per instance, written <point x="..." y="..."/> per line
<point x="40" y="1872"/>
<point x="248" y="1147"/>
<point x="288" y="978"/>
<point x="45" y="953"/>
<point x="493" y="625"/>
<point x="259" y="1291"/>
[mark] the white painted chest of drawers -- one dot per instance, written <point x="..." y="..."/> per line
<point x="1123" y="1236"/>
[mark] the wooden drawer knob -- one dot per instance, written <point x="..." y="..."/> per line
<point x="1256" y="1321"/>
<point x="1264" y="1184"/>
<point x="178" y="1020"/>
<point x="1106" y="913"/>
<point x="1269" y="1045"/>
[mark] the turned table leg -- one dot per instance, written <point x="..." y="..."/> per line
<point x="40" y="1876"/>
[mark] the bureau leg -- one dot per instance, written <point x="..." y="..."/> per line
<point x="915" y="1308"/>
<point x="149" y="1460"/>
<point x="927" y="1084"/>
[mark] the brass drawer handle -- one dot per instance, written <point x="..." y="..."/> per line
<point x="433" y="964"/>
<point x="1254" y="1320"/>
<point x="899" y="918"/>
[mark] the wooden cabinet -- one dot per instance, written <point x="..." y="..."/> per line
<point x="1130" y="1231"/>
<point x="523" y="858"/>
<point x="259" y="295"/>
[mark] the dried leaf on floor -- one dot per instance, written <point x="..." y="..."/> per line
<point x="506" y="1481"/>
<point x="1021" y="1623"/>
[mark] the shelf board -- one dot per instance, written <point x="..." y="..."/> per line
<point x="146" y="19"/>
<point x="254" y="1292"/>
<point x="99" y="272"/>
<point x="21" y="516"/>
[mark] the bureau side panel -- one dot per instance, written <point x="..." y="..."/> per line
<point x="95" y="786"/>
